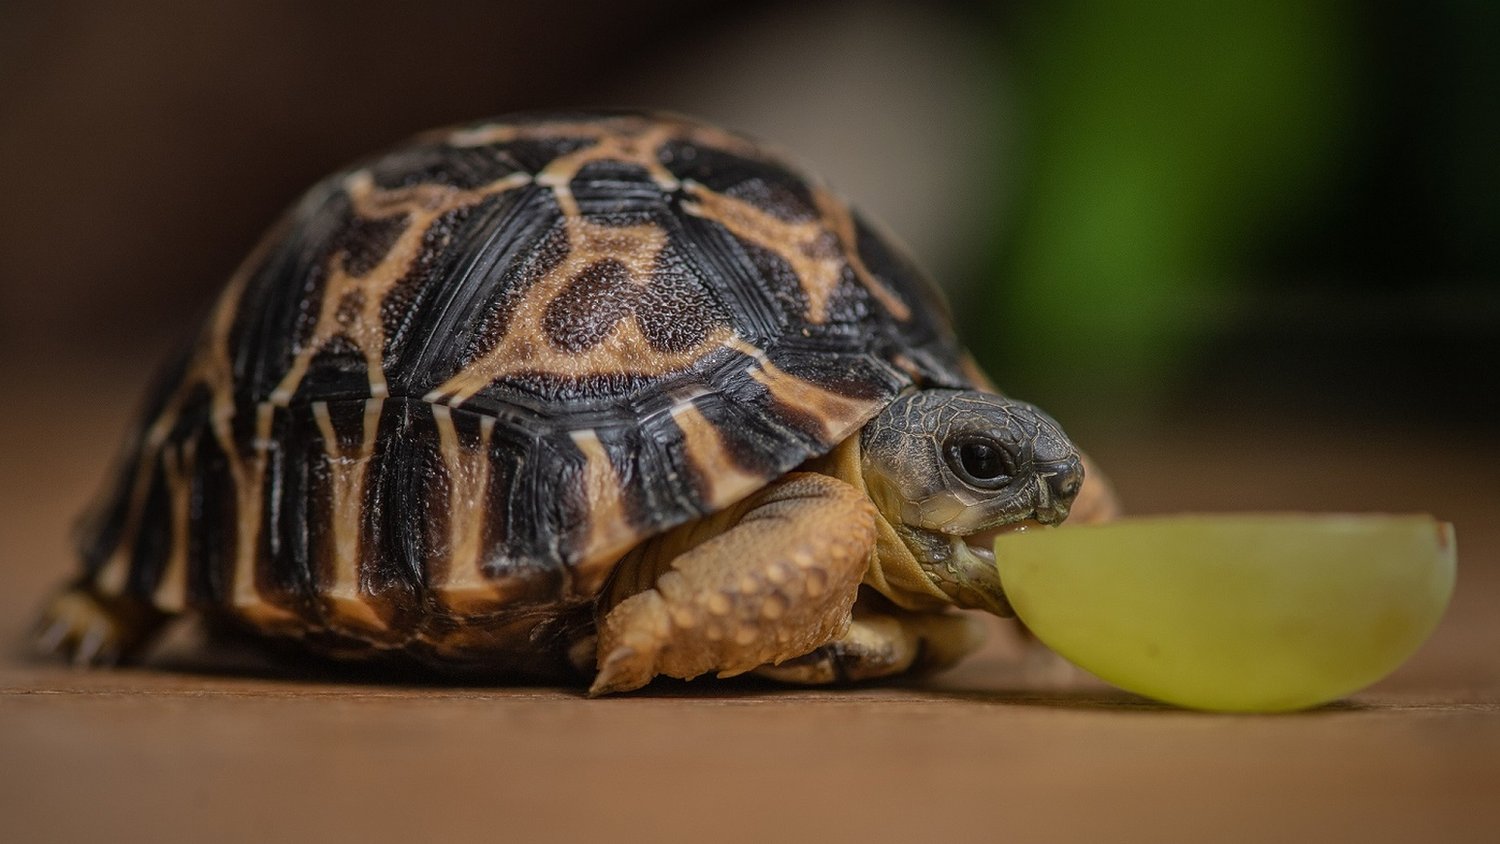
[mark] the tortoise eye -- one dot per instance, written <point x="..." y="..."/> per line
<point x="979" y="461"/>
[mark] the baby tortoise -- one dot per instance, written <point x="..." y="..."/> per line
<point x="620" y="394"/>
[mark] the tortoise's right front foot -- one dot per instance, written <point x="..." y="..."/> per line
<point x="777" y="580"/>
<point x="89" y="629"/>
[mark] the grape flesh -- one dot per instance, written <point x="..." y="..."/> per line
<point x="1240" y="613"/>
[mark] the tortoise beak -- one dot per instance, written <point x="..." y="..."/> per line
<point x="978" y="579"/>
<point x="978" y="553"/>
<point x="983" y="542"/>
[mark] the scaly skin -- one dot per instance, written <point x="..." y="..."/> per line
<point x="779" y="582"/>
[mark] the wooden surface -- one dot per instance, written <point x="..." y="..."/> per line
<point x="1006" y="747"/>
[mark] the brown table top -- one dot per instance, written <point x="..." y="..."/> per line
<point x="1003" y="747"/>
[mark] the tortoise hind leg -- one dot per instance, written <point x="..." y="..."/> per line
<point x="884" y="641"/>
<point x="766" y="580"/>
<point x="90" y="628"/>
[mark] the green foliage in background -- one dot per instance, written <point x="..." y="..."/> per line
<point x="1159" y="140"/>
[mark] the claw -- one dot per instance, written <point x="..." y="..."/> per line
<point x="634" y="632"/>
<point x="90" y="630"/>
<point x="622" y="671"/>
<point x="90" y="644"/>
<point x="50" y="640"/>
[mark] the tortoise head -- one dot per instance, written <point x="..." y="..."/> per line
<point x="950" y="469"/>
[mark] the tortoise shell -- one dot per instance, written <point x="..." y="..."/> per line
<point x="459" y="380"/>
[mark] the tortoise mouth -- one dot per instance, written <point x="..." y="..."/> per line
<point x="980" y="547"/>
<point x="969" y="575"/>
<point x="982" y="543"/>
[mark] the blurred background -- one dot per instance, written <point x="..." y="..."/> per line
<point x="1248" y="253"/>
<point x="1144" y="211"/>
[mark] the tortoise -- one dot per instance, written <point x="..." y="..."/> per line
<point x="615" y="394"/>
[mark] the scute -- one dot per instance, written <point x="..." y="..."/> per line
<point x="471" y="372"/>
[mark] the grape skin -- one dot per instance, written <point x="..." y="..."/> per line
<point x="1241" y="613"/>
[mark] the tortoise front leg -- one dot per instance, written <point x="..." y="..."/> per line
<point x="769" y="579"/>
<point x="884" y="641"/>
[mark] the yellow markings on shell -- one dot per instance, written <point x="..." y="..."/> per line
<point x="348" y="473"/>
<point x="171" y="589"/>
<point x="609" y="531"/>
<point x="212" y="365"/>
<point x="249" y="498"/>
<point x="464" y="586"/>
<point x="817" y="249"/>
<point x="362" y="325"/>
<point x="840" y="220"/>
<point x="115" y="572"/>
<point x="904" y="363"/>
<point x="624" y="350"/>
<point x="726" y="481"/>
<point x="802" y="244"/>
<point x="660" y="128"/>
<point x="838" y="416"/>
<point x="634" y="148"/>
<point x="627" y="139"/>
<point x="502" y="133"/>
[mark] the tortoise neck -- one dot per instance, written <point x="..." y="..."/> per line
<point x="893" y="570"/>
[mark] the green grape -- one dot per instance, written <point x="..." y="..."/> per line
<point x="1243" y="613"/>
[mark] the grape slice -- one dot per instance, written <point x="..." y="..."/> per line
<point x="1239" y="613"/>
